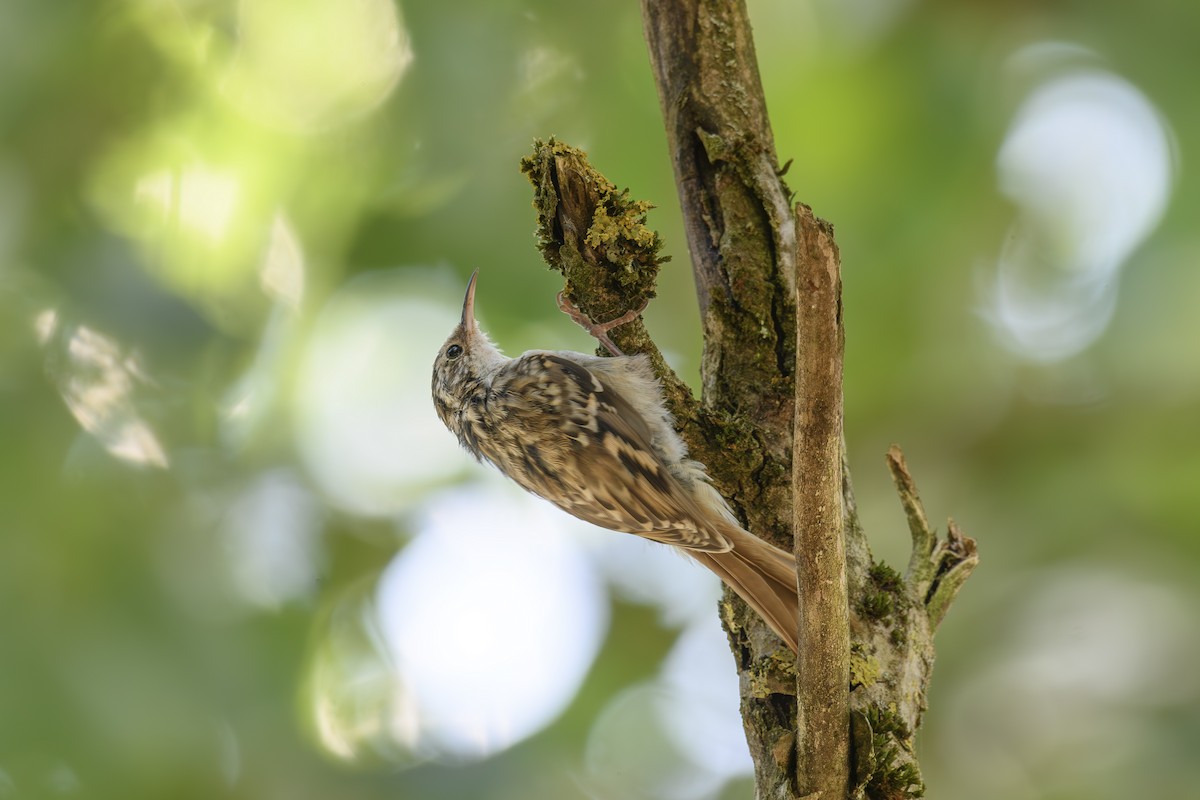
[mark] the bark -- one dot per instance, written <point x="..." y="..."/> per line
<point x="823" y="684"/>
<point x="839" y="720"/>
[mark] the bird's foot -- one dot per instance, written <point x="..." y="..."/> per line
<point x="599" y="330"/>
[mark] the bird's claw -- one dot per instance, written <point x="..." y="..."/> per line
<point x="599" y="330"/>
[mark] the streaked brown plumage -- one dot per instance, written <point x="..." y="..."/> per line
<point x="592" y="436"/>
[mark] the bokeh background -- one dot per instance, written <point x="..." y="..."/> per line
<point x="239" y="556"/>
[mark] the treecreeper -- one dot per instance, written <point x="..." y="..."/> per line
<point x="591" y="435"/>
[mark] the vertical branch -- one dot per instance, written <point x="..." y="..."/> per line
<point x="742" y="239"/>
<point x="722" y="146"/>
<point x="824" y="673"/>
<point x="750" y="254"/>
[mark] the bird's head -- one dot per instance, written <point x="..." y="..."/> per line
<point x="467" y="360"/>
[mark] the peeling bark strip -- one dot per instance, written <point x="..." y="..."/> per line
<point x="823" y="680"/>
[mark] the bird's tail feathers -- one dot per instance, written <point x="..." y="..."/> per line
<point x="764" y="576"/>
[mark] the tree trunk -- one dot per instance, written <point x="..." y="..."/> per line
<point x="838" y="721"/>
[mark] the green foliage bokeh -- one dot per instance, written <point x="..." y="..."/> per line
<point x="119" y="679"/>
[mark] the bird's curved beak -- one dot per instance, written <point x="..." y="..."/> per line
<point x="468" y="312"/>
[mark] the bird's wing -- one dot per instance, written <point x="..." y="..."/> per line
<point x="585" y="448"/>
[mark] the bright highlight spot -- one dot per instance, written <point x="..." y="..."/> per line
<point x="704" y="718"/>
<point x="493" y="616"/>
<point x="199" y="198"/>
<point x="1088" y="164"/>
<point x="272" y="541"/>
<point x="306" y="65"/>
<point x="45" y="324"/>
<point x="282" y="272"/>
<point x="201" y="223"/>
<point x="361" y="709"/>
<point x="97" y="382"/>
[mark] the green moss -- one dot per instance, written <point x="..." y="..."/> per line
<point x="887" y="721"/>
<point x="886" y="578"/>
<point x="883" y="595"/>
<point x="877" y="605"/>
<point x="613" y="226"/>
<point x="630" y="225"/>
<point x="731" y="432"/>
<point x="538" y="167"/>
<point x="894" y="775"/>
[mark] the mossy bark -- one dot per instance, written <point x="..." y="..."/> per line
<point x="755" y="256"/>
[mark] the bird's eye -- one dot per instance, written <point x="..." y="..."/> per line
<point x="453" y="352"/>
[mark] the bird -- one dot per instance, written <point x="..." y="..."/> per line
<point x="593" y="435"/>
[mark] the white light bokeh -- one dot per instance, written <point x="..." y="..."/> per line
<point x="241" y="544"/>
<point x="271" y="535"/>
<point x="493" y="616"/>
<point x="364" y="421"/>
<point x="1088" y="163"/>
<point x="704" y="718"/>
<point x="1096" y="659"/>
<point x="252" y="401"/>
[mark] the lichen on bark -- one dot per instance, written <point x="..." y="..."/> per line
<point x="584" y="221"/>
